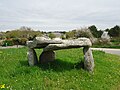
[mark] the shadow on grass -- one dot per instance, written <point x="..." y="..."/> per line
<point x="57" y="65"/>
<point x="24" y="63"/>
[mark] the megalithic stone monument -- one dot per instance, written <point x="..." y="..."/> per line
<point x="50" y="45"/>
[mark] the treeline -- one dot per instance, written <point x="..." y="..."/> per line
<point x="19" y="36"/>
<point x="23" y="34"/>
<point x="114" y="32"/>
<point x="89" y="32"/>
<point x="93" y="31"/>
<point x="112" y="39"/>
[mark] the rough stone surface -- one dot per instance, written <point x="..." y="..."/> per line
<point x="46" y="57"/>
<point x="88" y="59"/>
<point x="76" y="43"/>
<point x="32" y="57"/>
<point x="43" y="40"/>
<point x="31" y="44"/>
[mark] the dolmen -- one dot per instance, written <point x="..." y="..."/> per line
<point x="50" y="45"/>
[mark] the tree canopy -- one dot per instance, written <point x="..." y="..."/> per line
<point x="115" y="31"/>
<point x="95" y="32"/>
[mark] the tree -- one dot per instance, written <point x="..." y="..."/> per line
<point x="115" y="31"/>
<point x="95" y="32"/>
<point x="107" y="30"/>
<point x="99" y="33"/>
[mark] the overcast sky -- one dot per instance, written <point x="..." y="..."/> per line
<point x="53" y="15"/>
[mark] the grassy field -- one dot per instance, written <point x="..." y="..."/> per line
<point x="63" y="74"/>
<point x="107" y="46"/>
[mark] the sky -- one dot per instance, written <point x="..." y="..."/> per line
<point x="58" y="15"/>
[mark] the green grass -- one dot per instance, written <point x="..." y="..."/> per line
<point x="63" y="74"/>
<point x="107" y="46"/>
<point x="115" y="45"/>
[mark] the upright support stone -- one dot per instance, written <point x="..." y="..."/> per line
<point x="88" y="59"/>
<point x="32" y="57"/>
<point x="47" y="56"/>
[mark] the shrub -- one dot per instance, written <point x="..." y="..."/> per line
<point x="63" y="36"/>
<point x="16" y="41"/>
<point x="51" y="35"/>
<point x="101" y="42"/>
<point x="8" y="42"/>
<point x="1" y="42"/>
<point x="23" y="41"/>
<point x="85" y="32"/>
<point x="115" y="39"/>
<point x="70" y="34"/>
